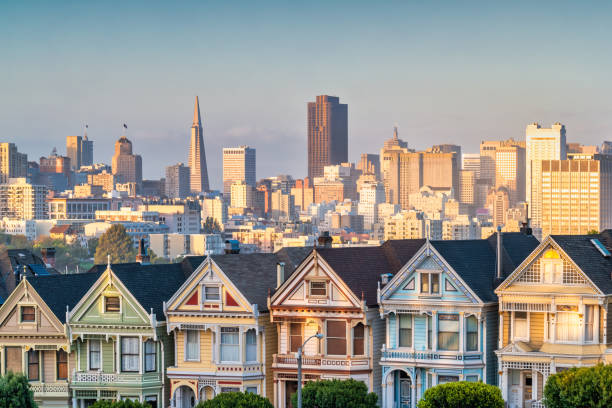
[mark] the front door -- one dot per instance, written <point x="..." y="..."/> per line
<point x="290" y="389"/>
<point x="514" y="389"/>
<point x="527" y="395"/>
<point x="405" y="390"/>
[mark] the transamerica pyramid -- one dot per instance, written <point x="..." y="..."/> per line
<point x="197" y="154"/>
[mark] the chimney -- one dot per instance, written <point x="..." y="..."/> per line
<point x="384" y="278"/>
<point x="280" y="274"/>
<point x="499" y="253"/>
<point x="48" y="256"/>
<point x="143" y="253"/>
<point x="324" y="240"/>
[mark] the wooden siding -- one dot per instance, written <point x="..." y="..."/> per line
<point x="205" y="363"/>
<point x="167" y="359"/>
<point x="271" y="347"/>
<point x="48" y="360"/>
<point x="608" y="325"/>
<point x="108" y="356"/>
<point x="491" y="321"/>
<point x="506" y="330"/>
<point x="376" y="338"/>
<point x="536" y="329"/>
<point x="83" y="357"/>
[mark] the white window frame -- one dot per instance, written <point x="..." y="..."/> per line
<point x="185" y="355"/>
<point x="513" y="327"/>
<point x="397" y="333"/>
<point x="239" y="345"/>
<point x="89" y="342"/>
<point x="246" y="389"/>
<point x="346" y="337"/>
<point x="203" y="291"/>
<point x="465" y="333"/>
<point x="310" y="282"/>
<point x="35" y="313"/>
<point x="429" y="285"/>
<point x="120" y="304"/>
<point x="246" y="345"/>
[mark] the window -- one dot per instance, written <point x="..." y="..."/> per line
<point x="295" y="336"/>
<point x="568" y="323"/>
<point x="553" y="270"/>
<point x="251" y="345"/>
<point x="230" y="389"/>
<point x="336" y="337"/>
<point x="430" y="283"/>
<point x="150" y="356"/>
<point x="192" y="345"/>
<point x="212" y="293"/>
<point x="471" y="378"/>
<point x="358" y="335"/>
<point x="230" y="344"/>
<point x="409" y="285"/>
<point x="318" y="288"/>
<point x="252" y="390"/>
<point x="588" y="322"/>
<point x="94" y="354"/>
<point x="61" y="358"/>
<point x="443" y="379"/>
<point x="405" y="330"/>
<point x="112" y="304"/>
<point x="521" y="326"/>
<point x="129" y="354"/>
<point x="33" y="365"/>
<point x="152" y="400"/>
<point x="28" y="314"/>
<point x="448" y="332"/>
<point x="471" y="334"/>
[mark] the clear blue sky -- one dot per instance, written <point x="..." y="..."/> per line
<point x="446" y="72"/>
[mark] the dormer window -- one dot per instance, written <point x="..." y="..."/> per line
<point x="318" y="288"/>
<point x="28" y="314"/>
<point x="112" y="304"/>
<point x="212" y="293"/>
<point x="430" y="283"/>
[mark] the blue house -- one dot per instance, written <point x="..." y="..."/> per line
<point x="441" y="312"/>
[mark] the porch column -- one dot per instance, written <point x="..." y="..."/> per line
<point x="504" y="384"/>
<point x="501" y="330"/>
<point x="581" y="310"/>
<point x="390" y="400"/>
<point x="434" y="331"/>
<point x="118" y="350"/>
<point x="140" y="360"/>
<point x="413" y="392"/>
<point x="461" y="332"/>
<point x="534" y="385"/>
<point x="596" y="324"/>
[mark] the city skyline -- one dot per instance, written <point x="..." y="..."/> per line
<point x="445" y="88"/>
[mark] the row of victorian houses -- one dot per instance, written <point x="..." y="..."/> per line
<point x="401" y="317"/>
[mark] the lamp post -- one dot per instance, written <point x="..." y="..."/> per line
<point x="299" y="364"/>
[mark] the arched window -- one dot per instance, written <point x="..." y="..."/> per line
<point x="358" y="340"/>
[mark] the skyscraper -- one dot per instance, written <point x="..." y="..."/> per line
<point x="197" y="154"/>
<point x="12" y="163"/>
<point x="390" y="166"/>
<point x="177" y="181"/>
<point x="510" y="171"/>
<point x="127" y="167"/>
<point x="541" y="144"/>
<point x="238" y="165"/>
<point x="86" y="150"/>
<point x="327" y="134"/>
<point x="80" y="151"/>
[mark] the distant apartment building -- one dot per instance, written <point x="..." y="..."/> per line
<point x="88" y="190"/>
<point x="239" y="164"/>
<point x="12" y="163"/>
<point x="171" y="246"/>
<point x="178" y="179"/>
<point x="370" y="196"/>
<point x="215" y="208"/>
<point x="20" y="200"/>
<point x="104" y="179"/>
<point x="390" y="167"/>
<point x="282" y="206"/>
<point x="242" y="195"/>
<point x="183" y="218"/>
<point x="498" y="203"/>
<point x="510" y="171"/>
<point x="429" y="201"/>
<point x="460" y="228"/>
<point x="576" y="195"/>
<point x="541" y="144"/>
<point x="303" y="194"/>
<point x="410" y="224"/>
<point x="327" y="134"/>
<point x="127" y="214"/>
<point x="63" y="208"/>
<point x="467" y="184"/>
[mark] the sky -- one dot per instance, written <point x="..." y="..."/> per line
<point x="444" y="72"/>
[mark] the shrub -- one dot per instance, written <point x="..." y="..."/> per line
<point x="236" y="400"/>
<point x="580" y="387"/>
<point x="462" y="394"/>
<point x="336" y="394"/>
<point x="120" y="404"/>
<point x="15" y="391"/>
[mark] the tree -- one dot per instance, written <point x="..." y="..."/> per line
<point x="592" y="232"/>
<point x="336" y="394"/>
<point x="92" y="245"/>
<point x="580" y="387"/>
<point x="15" y="391"/>
<point x="154" y="259"/>
<point x="236" y="400"/>
<point x="119" y="404"/>
<point x="67" y="256"/>
<point x="211" y="226"/>
<point x="462" y="394"/>
<point x="116" y="243"/>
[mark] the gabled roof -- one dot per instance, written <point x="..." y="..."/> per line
<point x="588" y="258"/>
<point x="475" y="260"/>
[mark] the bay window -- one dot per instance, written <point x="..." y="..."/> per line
<point x="150" y="356"/>
<point x="448" y="332"/>
<point x="61" y="358"/>
<point x="94" y="354"/>
<point x="589" y="313"/>
<point x="521" y="326"/>
<point x="129" y="354"/>
<point x="192" y="345"/>
<point x="471" y="333"/>
<point x="251" y="345"/>
<point x="336" y="337"/>
<point x="230" y="344"/>
<point x="567" y="323"/>
<point x="295" y="337"/>
<point x="405" y="330"/>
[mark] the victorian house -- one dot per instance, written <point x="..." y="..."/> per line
<point x="554" y="311"/>
<point x="333" y="292"/>
<point x="224" y="339"/>
<point x="440" y="315"/>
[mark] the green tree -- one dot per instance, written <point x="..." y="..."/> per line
<point x="116" y="243"/>
<point x="92" y="245"/>
<point x="120" y="404"/>
<point x="15" y="241"/>
<point x="67" y="256"/>
<point x="580" y="387"/>
<point x="211" y="226"/>
<point x="592" y="232"/>
<point x="154" y="259"/>
<point x="336" y="394"/>
<point x="15" y="391"/>
<point x="236" y="400"/>
<point x="462" y="394"/>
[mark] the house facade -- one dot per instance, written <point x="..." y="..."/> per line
<point x="554" y="314"/>
<point x="440" y="315"/>
<point x="332" y="292"/>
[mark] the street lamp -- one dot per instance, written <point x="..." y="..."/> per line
<point x="299" y="363"/>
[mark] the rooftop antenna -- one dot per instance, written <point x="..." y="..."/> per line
<point x="395" y="133"/>
<point x="85" y="132"/>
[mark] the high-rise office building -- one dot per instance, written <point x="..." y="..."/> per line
<point x="127" y="167"/>
<point x="541" y="144"/>
<point x="12" y="163"/>
<point x="510" y="171"/>
<point x="87" y="151"/>
<point x="369" y="164"/>
<point x="327" y="134"/>
<point x="197" y="154"/>
<point x="390" y="166"/>
<point x="467" y="183"/>
<point x="576" y="195"/>
<point x="238" y="165"/>
<point x="242" y="195"/>
<point x="471" y="162"/>
<point x="80" y="151"/>
<point x="498" y="202"/>
<point x="20" y="200"/>
<point x="177" y="183"/>
<point x="441" y="170"/>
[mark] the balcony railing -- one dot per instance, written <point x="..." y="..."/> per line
<point x="391" y="355"/>
<point x="322" y="363"/>
<point x="50" y="388"/>
<point x="114" y="378"/>
<point x="244" y="369"/>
